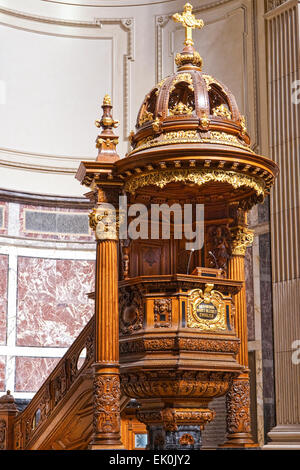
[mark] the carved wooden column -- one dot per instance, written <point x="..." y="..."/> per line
<point x="106" y="421"/>
<point x="238" y="397"/>
<point x="105" y="189"/>
<point x="8" y="411"/>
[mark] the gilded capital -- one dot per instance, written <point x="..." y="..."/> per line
<point x="242" y="238"/>
<point x="103" y="221"/>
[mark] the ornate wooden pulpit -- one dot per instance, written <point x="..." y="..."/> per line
<point x="171" y="323"/>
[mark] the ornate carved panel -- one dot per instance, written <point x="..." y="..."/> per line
<point x="131" y="310"/>
<point x="106" y="403"/>
<point x="162" y="313"/>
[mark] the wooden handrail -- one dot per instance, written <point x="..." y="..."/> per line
<point x="64" y="377"/>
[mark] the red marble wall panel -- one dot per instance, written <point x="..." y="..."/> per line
<point x="31" y="372"/>
<point x="2" y="373"/>
<point x="3" y="297"/>
<point x="52" y="303"/>
<point x="3" y="217"/>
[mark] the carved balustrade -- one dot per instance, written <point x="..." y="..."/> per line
<point x="64" y="379"/>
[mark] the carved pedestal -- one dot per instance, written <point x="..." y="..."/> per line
<point x="177" y="352"/>
<point x="175" y="428"/>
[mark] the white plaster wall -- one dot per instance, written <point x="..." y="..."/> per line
<point x="52" y="91"/>
<point x="59" y="57"/>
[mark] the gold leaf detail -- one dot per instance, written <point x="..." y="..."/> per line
<point x="222" y="111"/>
<point x="180" y="108"/>
<point x="199" y="177"/>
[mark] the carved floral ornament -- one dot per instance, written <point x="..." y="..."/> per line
<point x="171" y="418"/>
<point x="106" y="403"/>
<point x="238" y="407"/>
<point x="199" y="177"/>
<point x="131" y="311"/>
<point x="3" y="431"/>
<point x="242" y="238"/>
<point x="177" y="384"/>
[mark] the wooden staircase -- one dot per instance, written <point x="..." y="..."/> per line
<point x="60" y="415"/>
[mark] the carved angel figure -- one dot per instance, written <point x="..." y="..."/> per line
<point x="219" y="244"/>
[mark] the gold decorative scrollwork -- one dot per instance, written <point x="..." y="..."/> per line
<point x="108" y="142"/>
<point x="207" y="310"/>
<point x="210" y="81"/>
<point x="180" y="108"/>
<point x="182" y="77"/>
<point x="242" y="238"/>
<point x="145" y="117"/>
<point x="243" y="125"/>
<point x="223" y="137"/>
<point x="184" y="137"/>
<point x="163" y="177"/>
<point x="222" y="111"/>
<point x="205" y="121"/>
<point x="194" y="59"/>
<point x="104" y="223"/>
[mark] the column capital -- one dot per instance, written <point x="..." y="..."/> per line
<point x="242" y="238"/>
<point x="103" y="221"/>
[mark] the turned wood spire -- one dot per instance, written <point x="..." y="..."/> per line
<point x="107" y="141"/>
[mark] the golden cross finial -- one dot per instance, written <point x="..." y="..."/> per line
<point x="189" y="22"/>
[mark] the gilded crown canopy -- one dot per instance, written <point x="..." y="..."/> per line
<point x="189" y="130"/>
<point x="189" y="101"/>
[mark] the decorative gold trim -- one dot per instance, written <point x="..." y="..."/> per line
<point x="182" y="77"/>
<point x="194" y="59"/>
<point x="145" y="117"/>
<point x="156" y="127"/>
<point x="213" y="301"/>
<point x="163" y="177"/>
<point x="222" y="111"/>
<point x="243" y="125"/>
<point x="183" y="137"/>
<point x="180" y="109"/>
<point x="108" y="142"/>
<point x="205" y="121"/>
<point x="209" y="80"/>
<point x="242" y="238"/>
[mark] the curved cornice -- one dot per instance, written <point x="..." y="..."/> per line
<point x="119" y="3"/>
<point x="59" y="164"/>
<point x="112" y="4"/>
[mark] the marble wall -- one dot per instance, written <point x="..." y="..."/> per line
<point x="47" y="268"/>
<point x="267" y="332"/>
